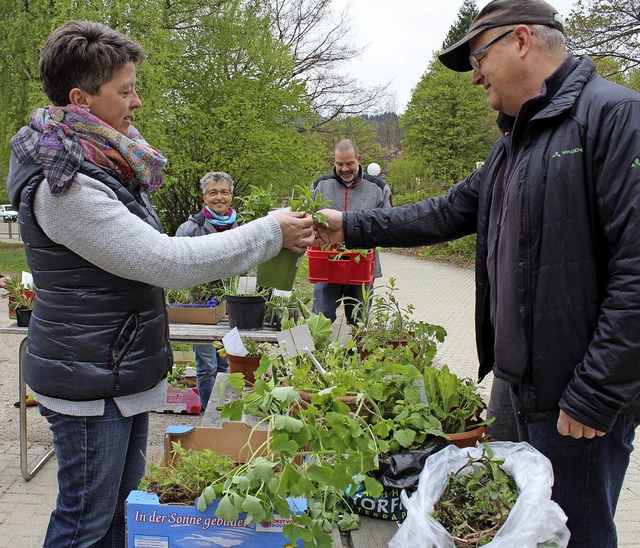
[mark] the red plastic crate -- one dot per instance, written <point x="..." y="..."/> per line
<point x="340" y="267"/>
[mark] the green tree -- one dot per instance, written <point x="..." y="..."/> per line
<point x="467" y="13"/>
<point x="606" y="29"/>
<point x="449" y="123"/>
<point x="217" y="90"/>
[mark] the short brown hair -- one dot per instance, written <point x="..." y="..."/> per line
<point x="84" y="55"/>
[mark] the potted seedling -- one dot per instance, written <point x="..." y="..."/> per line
<point x="21" y="300"/>
<point x="456" y="403"/>
<point x="248" y="364"/>
<point x="280" y="271"/>
<point x="383" y="322"/>
<point x="246" y="306"/>
<point x="285" y="305"/>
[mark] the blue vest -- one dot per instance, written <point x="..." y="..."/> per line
<point x="92" y="334"/>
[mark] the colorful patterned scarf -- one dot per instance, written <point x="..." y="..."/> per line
<point x="221" y="222"/>
<point x="60" y="138"/>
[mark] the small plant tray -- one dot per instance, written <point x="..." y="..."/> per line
<point x="340" y="267"/>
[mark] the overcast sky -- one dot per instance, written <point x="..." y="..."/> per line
<point x="400" y="37"/>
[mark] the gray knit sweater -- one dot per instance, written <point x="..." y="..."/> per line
<point x="89" y="220"/>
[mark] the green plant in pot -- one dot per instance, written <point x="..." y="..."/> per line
<point x="383" y="322"/>
<point x="456" y="404"/>
<point x="246" y="366"/>
<point x="21" y="299"/>
<point x="281" y="308"/>
<point x="280" y="271"/>
<point x="245" y="310"/>
<point x="315" y="452"/>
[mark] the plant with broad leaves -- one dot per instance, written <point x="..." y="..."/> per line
<point x="382" y="322"/>
<point x="316" y="451"/>
<point x="257" y="203"/>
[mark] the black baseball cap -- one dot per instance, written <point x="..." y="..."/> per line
<point x="499" y="13"/>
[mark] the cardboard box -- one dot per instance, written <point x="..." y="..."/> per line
<point x="154" y="525"/>
<point x="183" y="356"/>
<point x="181" y="400"/>
<point x="201" y="314"/>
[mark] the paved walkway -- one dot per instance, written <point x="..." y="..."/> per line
<point x="440" y="294"/>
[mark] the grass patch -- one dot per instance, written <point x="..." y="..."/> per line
<point x="12" y="258"/>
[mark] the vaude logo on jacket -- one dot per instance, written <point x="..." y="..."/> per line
<point x="558" y="154"/>
<point x="635" y="163"/>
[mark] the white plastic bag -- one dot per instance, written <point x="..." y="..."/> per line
<point x="534" y="520"/>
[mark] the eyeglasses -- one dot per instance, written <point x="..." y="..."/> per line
<point x="223" y="193"/>
<point x="475" y="65"/>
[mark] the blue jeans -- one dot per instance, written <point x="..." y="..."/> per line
<point x="326" y="299"/>
<point x="100" y="461"/>
<point x="208" y="363"/>
<point x="588" y="474"/>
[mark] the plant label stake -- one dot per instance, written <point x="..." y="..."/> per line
<point x="296" y="340"/>
<point x="340" y="331"/>
<point x="281" y="293"/>
<point x="27" y="279"/>
<point x="246" y="285"/>
<point x="233" y="343"/>
<point x="317" y="364"/>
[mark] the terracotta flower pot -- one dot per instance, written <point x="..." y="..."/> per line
<point x="247" y="365"/>
<point x="467" y="439"/>
<point x="350" y="401"/>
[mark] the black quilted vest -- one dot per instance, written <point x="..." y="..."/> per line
<point x="92" y="334"/>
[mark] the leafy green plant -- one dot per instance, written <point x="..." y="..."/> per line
<point x="175" y="376"/>
<point x="253" y="346"/>
<point x="203" y="294"/>
<point x="316" y="452"/>
<point x="382" y="321"/>
<point x="21" y="295"/>
<point x="309" y="202"/>
<point x="453" y="400"/>
<point x="280" y="308"/>
<point x="257" y="203"/>
<point x="477" y="500"/>
<point x="319" y="327"/>
<point x="183" y="479"/>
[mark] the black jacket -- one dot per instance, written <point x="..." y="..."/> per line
<point x="92" y="334"/>
<point x="579" y="250"/>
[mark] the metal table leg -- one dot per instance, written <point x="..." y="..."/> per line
<point x="24" y="462"/>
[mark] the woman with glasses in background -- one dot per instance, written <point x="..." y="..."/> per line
<point x="216" y="215"/>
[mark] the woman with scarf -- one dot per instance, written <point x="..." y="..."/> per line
<point x="98" y="343"/>
<point x="216" y="215"/>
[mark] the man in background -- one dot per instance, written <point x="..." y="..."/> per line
<point x="348" y="188"/>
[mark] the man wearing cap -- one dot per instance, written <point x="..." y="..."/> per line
<point x="556" y="209"/>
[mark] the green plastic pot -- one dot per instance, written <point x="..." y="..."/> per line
<point x="280" y="271"/>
